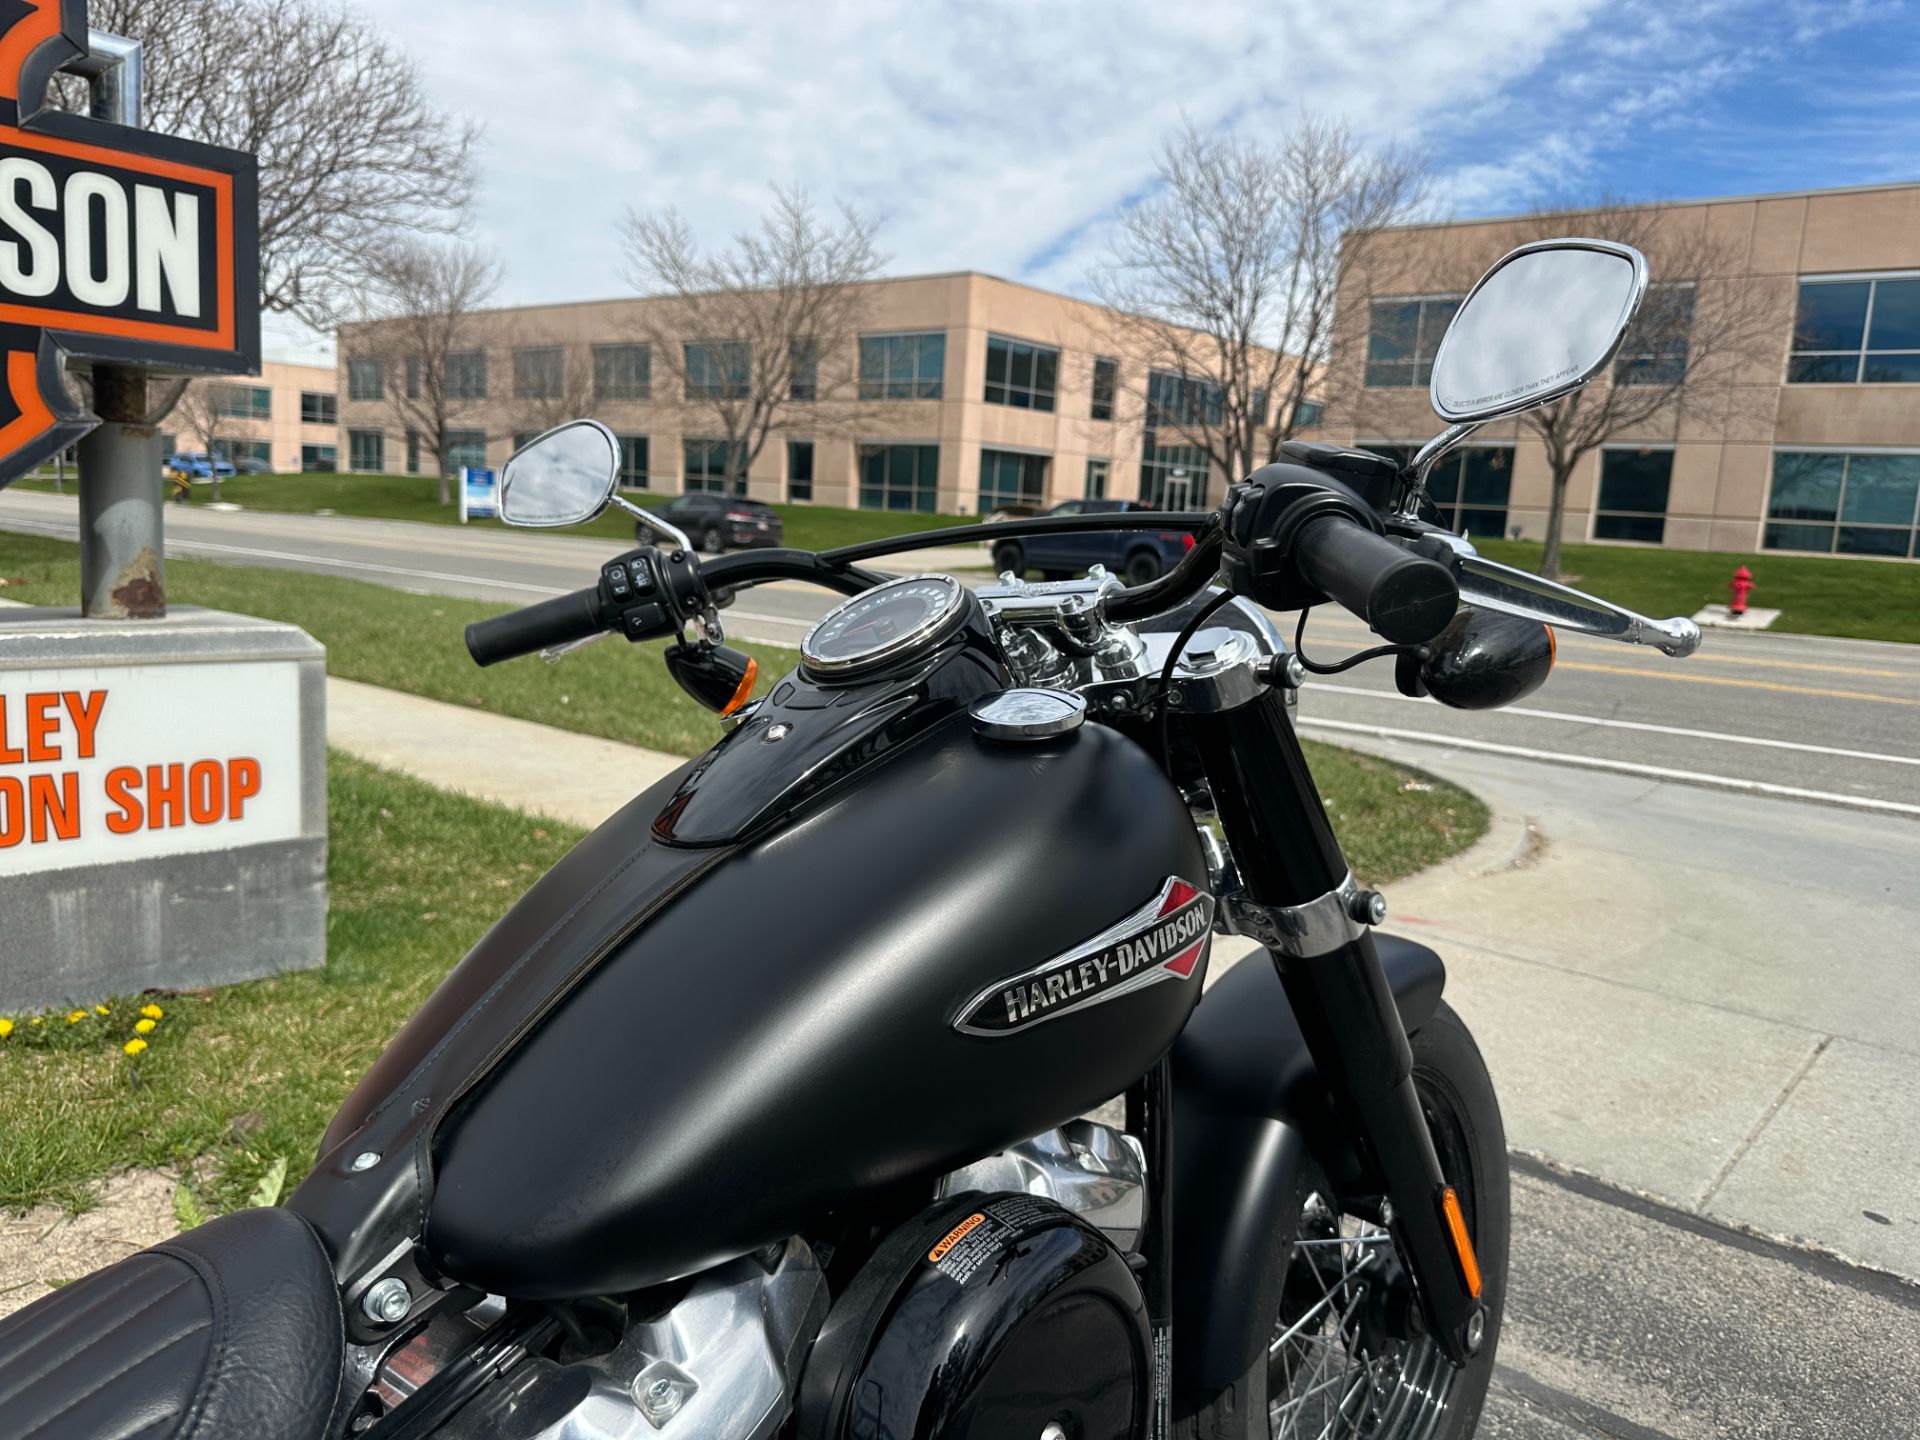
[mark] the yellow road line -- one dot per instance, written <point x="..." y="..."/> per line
<point x="1639" y="674"/>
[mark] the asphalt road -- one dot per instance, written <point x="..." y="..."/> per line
<point x="1835" y="721"/>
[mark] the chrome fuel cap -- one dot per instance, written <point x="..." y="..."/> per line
<point x="1022" y="716"/>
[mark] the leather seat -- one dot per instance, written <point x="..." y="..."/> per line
<point x="228" y="1331"/>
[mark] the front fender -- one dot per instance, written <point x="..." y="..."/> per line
<point x="1254" y="1132"/>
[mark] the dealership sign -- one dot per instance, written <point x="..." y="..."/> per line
<point x="116" y="245"/>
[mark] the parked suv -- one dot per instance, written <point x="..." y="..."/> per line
<point x="1137" y="556"/>
<point x="719" y="522"/>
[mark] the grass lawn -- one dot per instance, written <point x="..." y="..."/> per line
<point x="235" y="1079"/>
<point x="415" y="497"/>
<point x="1815" y="595"/>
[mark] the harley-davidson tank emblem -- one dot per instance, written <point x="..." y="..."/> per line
<point x="1165" y="939"/>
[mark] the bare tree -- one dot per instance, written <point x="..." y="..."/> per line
<point x="1700" y="328"/>
<point x="197" y="413"/>
<point x="1226" y="276"/>
<point x="760" y="333"/>
<point x="424" y="302"/>
<point x="351" y="149"/>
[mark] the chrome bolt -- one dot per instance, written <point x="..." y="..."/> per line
<point x="1369" y="907"/>
<point x="659" y="1391"/>
<point x="1476" y="1330"/>
<point x="666" y="1394"/>
<point x="1296" y="672"/>
<point x="779" y="731"/>
<point x="388" y="1302"/>
<point x="366" y="1160"/>
<point x="1386" y="1213"/>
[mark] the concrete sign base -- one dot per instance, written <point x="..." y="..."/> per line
<point x="163" y="803"/>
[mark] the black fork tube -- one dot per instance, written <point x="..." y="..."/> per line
<point x="1287" y="855"/>
<point x="1150" y="1117"/>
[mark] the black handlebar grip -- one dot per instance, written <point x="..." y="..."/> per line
<point x="536" y="627"/>
<point x="1406" y="598"/>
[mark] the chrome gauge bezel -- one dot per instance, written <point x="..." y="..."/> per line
<point x="923" y="634"/>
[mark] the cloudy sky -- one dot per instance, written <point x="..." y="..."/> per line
<point x="1007" y="137"/>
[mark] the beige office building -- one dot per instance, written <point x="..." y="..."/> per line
<point x="285" y="418"/>
<point x="1811" y="445"/>
<point x="967" y="393"/>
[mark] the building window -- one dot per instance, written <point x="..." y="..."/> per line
<point x="242" y="402"/>
<point x="902" y="367"/>
<point x="622" y="372"/>
<point x="366" y="450"/>
<point x="413" y="377"/>
<point x="718" y="370"/>
<point x="1097" y="479"/>
<point x="540" y="372"/>
<point x="1655" y="350"/>
<point x="706" y="468"/>
<point x="1467" y="491"/>
<point x="1106" y="381"/>
<point x="319" y="408"/>
<point x="1308" y="414"/>
<point x="1021" y="375"/>
<point x="413" y="452"/>
<point x="1403" y="336"/>
<point x="1633" y="495"/>
<point x="1181" y="401"/>
<point x="1845" y="504"/>
<point x="467" y="375"/>
<point x="366" y="380"/>
<point x="1848" y="332"/>
<point x="634" y="460"/>
<point x="1173" y="477"/>
<point x="799" y="470"/>
<point x="236" y="450"/>
<point x="803" y="370"/>
<point x="319" y="457"/>
<point x="465" y="448"/>
<point x="900" y="477"/>
<point x="1008" y="477"/>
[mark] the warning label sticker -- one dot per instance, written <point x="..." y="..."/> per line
<point x="980" y="1238"/>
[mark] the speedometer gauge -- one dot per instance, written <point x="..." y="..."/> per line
<point x="883" y="624"/>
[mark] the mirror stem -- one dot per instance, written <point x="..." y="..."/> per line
<point x="652" y="521"/>
<point x="1413" y="479"/>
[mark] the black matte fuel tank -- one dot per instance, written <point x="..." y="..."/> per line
<point x="780" y="1038"/>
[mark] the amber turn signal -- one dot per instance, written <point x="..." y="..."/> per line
<point x="718" y="676"/>
<point x="1462" y="1242"/>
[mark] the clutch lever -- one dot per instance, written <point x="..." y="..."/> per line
<point x="1507" y="591"/>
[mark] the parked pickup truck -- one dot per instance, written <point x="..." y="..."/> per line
<point x="1137" y="556"/>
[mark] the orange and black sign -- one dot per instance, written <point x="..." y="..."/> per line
<point x="115" y="244"/>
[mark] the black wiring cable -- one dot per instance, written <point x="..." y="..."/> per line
<point x="1166" y="672"/>
<point x="1376" y="653"/>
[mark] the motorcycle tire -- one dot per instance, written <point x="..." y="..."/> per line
<point x="1340" y="1284"/>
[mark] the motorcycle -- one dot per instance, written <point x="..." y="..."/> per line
<point x="775" y="1108"/>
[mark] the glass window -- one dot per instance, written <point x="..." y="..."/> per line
<point x="467" y="377"/>
<point x="242" y="402"/>
<point x="413" y="452"/>
<point x="1633" y="495"/>
<point x="1173" y="477"/>
<point x="319" y="457"/>
<point x="317" y="407"/>
<point x="799" y="470"/>
<point x="1308" y="414"/>
<point x="706" y="468"/>
<point x="622" y="372"/>
<point x="1008" y="477"/>
<point x="899" y="477"/>
<point x="1097" y="479"/>
<point x="1106" y="382"/>
<point x="1849" y="332"/>
<point x="1467" y="490"/>
<point x="717" y="370"/>
<point x="236" y="450"/>
<point x="1655" y="349"/>
<point x="366" y="450"/>
<point x="1181" y="400"/>
<point x="803" y="370"/>
<point x="539" y="372"/>
<point x="1020" y="374"/>
<point x="465" y="447"/>
<point x="633" y="462"/>
<point x="366" y="380"/>
<point x="1849" y="504"/>
<point x="413" y="377"/>
<point x="902" y="367"/>
<point x="1402" y="338"/>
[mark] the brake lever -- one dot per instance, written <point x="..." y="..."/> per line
<point x="1508" y="591"/>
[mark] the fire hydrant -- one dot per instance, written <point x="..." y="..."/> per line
<point x="1741" y="584"/>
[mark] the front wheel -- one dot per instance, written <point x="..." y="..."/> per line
<point x="1343" y="1363"/>
<point x="711" y="541"/>
<point x="1008" y="556"/>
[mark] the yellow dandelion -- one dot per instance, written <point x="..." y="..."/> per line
<point x="76" y="1017"/>
<point x="102" y="1010"/>
<point x="152" y="1012"/>
<point x="39" y="1020"/>
<point x="134" y="1046"/>
<point x="145" y="1027"/>
<point x="6" y="1027"/>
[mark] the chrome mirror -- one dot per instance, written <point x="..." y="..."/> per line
<point x="1538" y="325"/>
<point x="562" y="477"/>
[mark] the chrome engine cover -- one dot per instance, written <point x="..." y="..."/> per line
<point x="721" y="1365"/>
<point x="1093" y="1170"/>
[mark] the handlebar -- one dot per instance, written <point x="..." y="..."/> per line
<point x="536" y="627"/>
<point x="1405" y="598"/>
